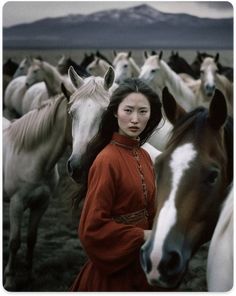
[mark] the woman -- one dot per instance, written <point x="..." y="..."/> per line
<point x="120" y="193"/>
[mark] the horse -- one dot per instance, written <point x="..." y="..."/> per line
<point x="87" y="59"/>
<point x="209" y="80"/>
<point x="47" y="83"/>
<point x="192" y="177"/>
<point x="87" y="103"/>
<point x="98" y="67"/>
<point x="5" y="123"/>
<point x="9" y="67"/>
<point x="180" y="65"/>
<point x="13" y="96"/>
<point x="23" y="67"/>
<point x="64" y="64"/>
<point x="125" y="66"/>
<point x="200" y="56"/>
<point x="220" y="254"/>
<point x="157" y="74"/>
<point x="32" y="146"/>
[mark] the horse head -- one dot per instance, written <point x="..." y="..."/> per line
<point x="151" y="73"/>
<point x="208" y="75"/>
<point x="192" y="175"/>
<point x="123" y="66"/>
<point x="23" y="67"/>
<point x="35" y="73"/>
<point x="87" y="103"/>
<point x="98" y="67"/>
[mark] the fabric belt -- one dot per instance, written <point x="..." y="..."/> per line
<point x="132" y="218"/>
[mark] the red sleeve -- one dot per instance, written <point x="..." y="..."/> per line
<point x="110" y="246"/>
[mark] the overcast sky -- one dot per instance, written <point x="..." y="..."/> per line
<point x="16" y="12"/>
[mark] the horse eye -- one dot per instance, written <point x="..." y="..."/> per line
<point x="153" y="70"/>
<point x="125" y="66"/>
<point x="212" y="177"/>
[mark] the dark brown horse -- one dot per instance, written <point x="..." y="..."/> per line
<point x="193" y="175"/>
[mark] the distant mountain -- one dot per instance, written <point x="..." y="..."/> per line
<point x="136" y="27"/>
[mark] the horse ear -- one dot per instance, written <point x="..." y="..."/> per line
<point x="199" y="57"/>
<point x="129" y="54"/>
<point x="109" y="78"/>
<point x="217" y="110"/>
<point x="146" y="55"/>
<point x="65" y="91"/>
<point x="76" y="80"/>
<point x="216" y="59"/>
<point x="160" y="55"/>
<point x="172" y="110"/>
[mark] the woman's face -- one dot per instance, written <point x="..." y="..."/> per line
<point x="133" y="114"/>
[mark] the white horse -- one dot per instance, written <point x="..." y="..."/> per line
<point x="47" y="83"/>
<point x="32" y="145"/>
<point x="210" y="79"/>
<point x="125" y="66"/>
<point x="87" y="104"/>
<point x="23" y="67"/>
<point x="5" y="123"/>
<point x="14" y="94"/>
<point x="98" y="67"/>
<point x="220" y="262"/>
<point x="157" y="74"/>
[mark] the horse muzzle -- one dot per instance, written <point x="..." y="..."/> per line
<point x="73" y="170"/>
<point x="166" y="268"/>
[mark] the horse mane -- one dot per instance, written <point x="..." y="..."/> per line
<point x="92" y="87"/>
<point x="35" y="126"/>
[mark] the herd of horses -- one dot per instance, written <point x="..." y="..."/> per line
<point x="48" y="108"/>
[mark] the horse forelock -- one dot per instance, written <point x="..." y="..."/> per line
<point x="194" y="120"/>
<point x="36" y="126"/>
<point x="93" y="88"/>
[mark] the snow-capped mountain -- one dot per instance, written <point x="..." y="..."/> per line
<point x="136" y="27"/>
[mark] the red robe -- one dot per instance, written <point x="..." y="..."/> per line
<point x="115" y="188"/>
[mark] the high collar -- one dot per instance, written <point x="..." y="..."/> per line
<point x="125" y="141"/>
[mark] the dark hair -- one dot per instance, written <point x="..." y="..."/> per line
<point x="109" y="125"/>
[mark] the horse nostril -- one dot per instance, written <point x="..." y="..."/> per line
<point x="171" y="264"/>
<point x="69" y="168"/>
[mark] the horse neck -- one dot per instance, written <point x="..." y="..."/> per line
<point x="177" y="87"/>
<point x="135" y="68"/>
<point x="226" y="87"/>
<point x="42" y="131"/>
<point x="52" y="79"/>
<point x="60" y="136"/>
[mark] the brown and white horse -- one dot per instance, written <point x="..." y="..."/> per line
<point x="192" y="176"/>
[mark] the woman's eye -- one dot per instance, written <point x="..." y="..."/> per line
<point x="128" y="110"/>
<point x="143" y="111"/>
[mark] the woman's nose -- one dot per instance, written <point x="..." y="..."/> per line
<point x="134" y="118"/>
